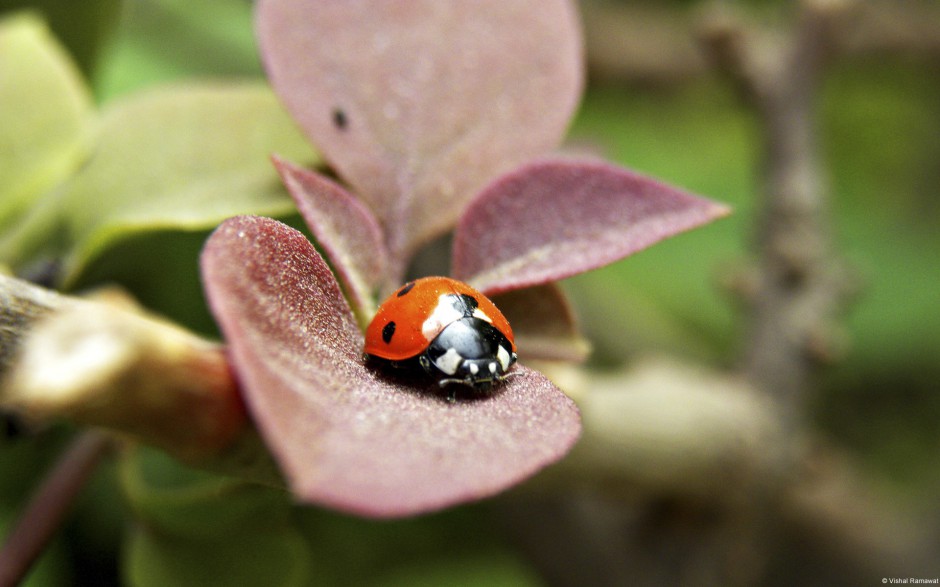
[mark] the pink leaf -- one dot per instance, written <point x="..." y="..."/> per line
<point x="418" y="103"/>
<point x="555" y="218"/>
<point x="345" y="436"/>
<point x="348" y="232"/>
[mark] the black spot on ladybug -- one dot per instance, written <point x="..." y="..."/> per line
<point x="340" y="119"/>
<point x="388" y="332"/>
<point x="407" y="288"/>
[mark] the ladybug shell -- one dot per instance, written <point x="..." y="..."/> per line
<point x="412" y="317"/>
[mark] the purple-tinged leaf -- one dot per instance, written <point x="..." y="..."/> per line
<point x="348" y="232"/>
<point x="344" y="435"/>
<point x="543" y="323"/>
<point x="555" y="218"/>
<point x="419" y="103"/>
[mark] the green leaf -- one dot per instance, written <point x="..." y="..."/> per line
<point x="84" y="28"/>
<point x="183" y="157"/>
<point x="45" y="115"/>
<point x="271" y="557"/>
<point x="494" y="570"/>
<point x="362" y="551"/>
<point x="164" y="40"/>
<point x="195" y="528"/>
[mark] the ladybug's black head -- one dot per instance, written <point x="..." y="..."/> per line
<point x="470" y="351"/>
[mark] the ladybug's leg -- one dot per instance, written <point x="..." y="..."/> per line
<point x="452" y="386"/>
<point x="425" y="363"/>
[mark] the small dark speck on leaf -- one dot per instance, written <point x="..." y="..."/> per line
<point x="339" y="118"/>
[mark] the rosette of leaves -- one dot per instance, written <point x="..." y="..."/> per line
<point x="435" y="117"/>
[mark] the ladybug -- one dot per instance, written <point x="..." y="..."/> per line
<point x="448" y="329"/>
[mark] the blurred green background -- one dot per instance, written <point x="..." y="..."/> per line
<point x="879" y="121"/>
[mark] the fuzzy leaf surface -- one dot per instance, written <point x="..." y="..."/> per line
<point x="552" y="219"/>
<point x="418" y="104"/>
<point x="348" y="232"/>
<point x="345" y="435"/>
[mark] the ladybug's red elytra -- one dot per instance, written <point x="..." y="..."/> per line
<point x="449" y="329"/>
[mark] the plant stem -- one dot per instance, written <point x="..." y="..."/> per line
<point x="48" y="506"/>
<point x="799" y="279"/>
<point x="21" y="304"/>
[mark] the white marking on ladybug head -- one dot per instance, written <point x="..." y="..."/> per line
<point x="478" y="313"/>
<point x="449" y="361"/>
<point x="493" y="367"/>
<point x="474" y="368"/>
<point x="502" y="355"/>
<point x="443" y="314"/>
